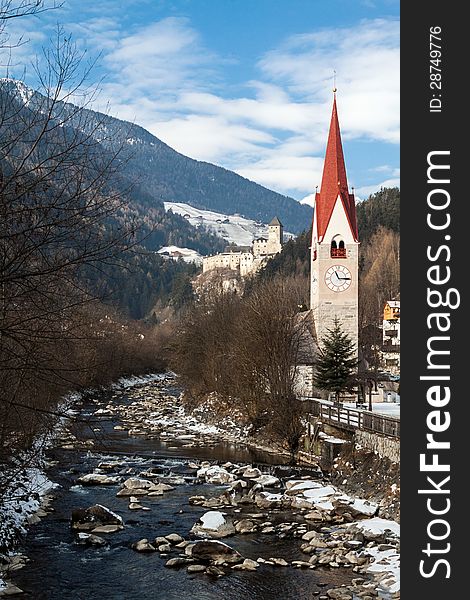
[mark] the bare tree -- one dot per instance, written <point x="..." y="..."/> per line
<point x="57" y="220"/>
<point x="268" y="350"/>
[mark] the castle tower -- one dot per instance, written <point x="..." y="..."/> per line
<point x="334" y="250"/>
<point x="275" y="236"/>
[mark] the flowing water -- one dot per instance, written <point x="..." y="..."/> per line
<point x="60" y="569"/>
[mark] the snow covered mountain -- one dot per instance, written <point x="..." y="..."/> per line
<point x="160" y="174"/>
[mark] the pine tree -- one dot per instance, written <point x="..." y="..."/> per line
<point x="337" y="363"/>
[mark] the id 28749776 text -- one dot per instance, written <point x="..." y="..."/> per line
<point x="435" y="69"/>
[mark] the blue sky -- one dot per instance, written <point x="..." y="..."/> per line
<point x="245" y="84"/>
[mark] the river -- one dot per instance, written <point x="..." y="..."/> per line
<point x="59" y="568"/>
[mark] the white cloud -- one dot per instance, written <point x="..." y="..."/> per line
<point x="367" y="190"/>
<point x="366" y="59"/>
<point x="272" y="129"/>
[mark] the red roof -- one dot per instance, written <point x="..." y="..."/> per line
<point x="334" y="182"/>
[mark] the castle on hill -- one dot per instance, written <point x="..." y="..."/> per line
<point x="247" y="260"/>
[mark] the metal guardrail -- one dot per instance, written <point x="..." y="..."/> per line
<point x="351" y="419"/>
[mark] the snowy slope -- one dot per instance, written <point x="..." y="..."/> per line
<point x="186" y="254"/>
<point x="232" y="228"/>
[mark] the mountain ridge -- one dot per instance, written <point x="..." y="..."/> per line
<point x="161" y="174"/>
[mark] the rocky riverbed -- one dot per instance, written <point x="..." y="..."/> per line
<point x="153" y="483"/>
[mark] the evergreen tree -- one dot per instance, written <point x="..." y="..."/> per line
<point x="337" y="363"/>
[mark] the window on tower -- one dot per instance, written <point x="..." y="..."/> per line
<point x="338" y="249"/>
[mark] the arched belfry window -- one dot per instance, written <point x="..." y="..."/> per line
<point x="338" y="249"/>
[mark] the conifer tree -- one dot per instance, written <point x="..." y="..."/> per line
<point x="337" y="363"/>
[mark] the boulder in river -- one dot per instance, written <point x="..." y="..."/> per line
<point x="246" y="565"/>
<point x="143" y="546"/>
<point x="216" y="475"/>
<point x="210" y="551"/>
<point x="89" y="539"/>
<point x="97" y="479"/>
<point x="213" y="524"/>
<point x="87" y="519"/>
<point x="245" y="526"/>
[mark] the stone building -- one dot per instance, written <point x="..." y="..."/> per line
<point x="248" y="259"/>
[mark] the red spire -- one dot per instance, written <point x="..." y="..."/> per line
<point x="334" y="182"/>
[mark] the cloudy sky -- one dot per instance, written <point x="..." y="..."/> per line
<point x="245" y="84"/>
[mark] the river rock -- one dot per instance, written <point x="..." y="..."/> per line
<point x="110" y="465"/>
<point x="95" y="516"/>
<point x="245" y="526"/>
<point x="314" y="515"/>
<point x="197" y="500"/>
<point x="196" y="568"/>
<point x="137" y="506"/>
<point x="216" y="475"/>
<point x="280" y="562"/>
<point x="251" y="473"/>
<point x="176" y="562"/>
<point x="97" y="479"/>
<point x="126" y="492"/>
<point x="143" y="546"/>
<point x="212" y="551"/>
<point x="89" y="539"/>
<point x="10" y="590"/>
<point x="268" y="480"/>
<point x="299" y="486"/>
<point x="134" y="483"/>
<point x="213" y="524"/>
<point x="247" y="565"/>
<point x="160" y="488"/>
<point x="309" y="535"/>
<point x="339" y="594"/>
<point x="107" y="528"/>
<point x="356" y="507"/>
<point x="265" y="500"/>
<point x="174" y="538"/>
<point x="215" y="571"/>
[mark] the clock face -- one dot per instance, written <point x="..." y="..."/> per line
<point x="338" y="278"/>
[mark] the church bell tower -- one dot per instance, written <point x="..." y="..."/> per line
<point x="334" y="250"/>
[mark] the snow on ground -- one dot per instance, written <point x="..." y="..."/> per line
<point x="133" y="380"/>
<point x="386" y="561"/>
<point x="389" y="409"/>
<point x="176" y="253"/>
<point x="296" y="485"/>
<point x="22" y="499"/>
<point x="377" y="526"/>
<point x="235" y="229"/>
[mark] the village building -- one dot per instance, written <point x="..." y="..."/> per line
<point x="391" y="337"/>
<point x="247" y="260"/>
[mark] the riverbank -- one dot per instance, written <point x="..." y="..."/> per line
<point x="296" y="518"/>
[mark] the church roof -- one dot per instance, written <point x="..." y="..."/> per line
<point x="334" y="182"/>
<point x="276" y="221"/>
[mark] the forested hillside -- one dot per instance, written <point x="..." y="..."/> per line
<point x="381" y="209"/>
